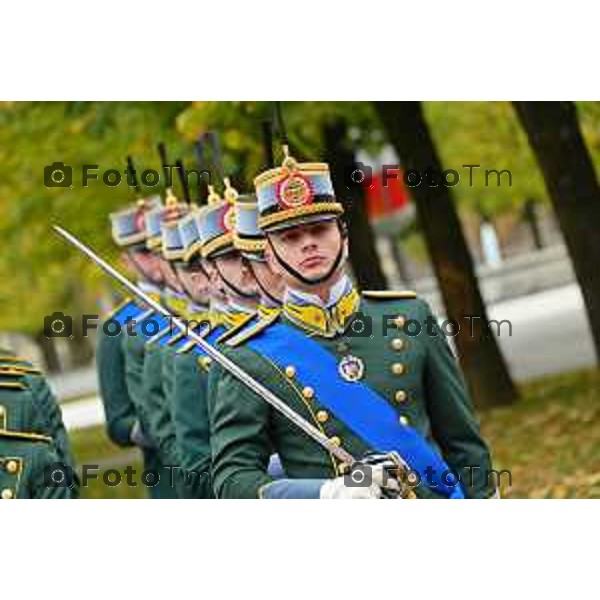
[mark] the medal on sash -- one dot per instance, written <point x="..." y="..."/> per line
<point x="351" y="368"/>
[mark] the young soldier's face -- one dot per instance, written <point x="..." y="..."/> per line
<point x="195" y="283"/>
<point x="309" y="249"/>
<point x="169" y="275"/>
<point x="232" y="268"/>
<point x="146" y="265"/>
<point x="268" y="279"/>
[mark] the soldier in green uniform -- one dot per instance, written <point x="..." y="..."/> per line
<point x="35" y="409"/>
<point x="345" y="362"/>
<point x="28" y="459"/>
<point x="119" y="373"/>
<point x="217" y="269"/>
<point x="139" y="379"/>
<point x="158" y="364"/>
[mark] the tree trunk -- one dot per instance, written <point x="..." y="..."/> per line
<point x="560" y="150"/>
<point x="483" y="364"/>
<point x="81" y="351"/>
<point x="363" y="253"/>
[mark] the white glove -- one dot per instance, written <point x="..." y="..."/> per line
<point x="338" y="488"/>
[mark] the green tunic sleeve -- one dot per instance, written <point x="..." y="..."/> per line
<point x="190" y="420"/>
<point x="453" y="421"/>
<point x="50" y="416"/>
<point x="240" y="441"/>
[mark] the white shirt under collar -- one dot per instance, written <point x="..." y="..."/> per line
<point x="335" y="293"/>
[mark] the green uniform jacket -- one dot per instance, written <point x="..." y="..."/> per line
<point x="134" y="348"/>
<point x="26" y="462"/>
<point x="120" y="363"/>
<point x="28" y="405"/>
<point x="417" y="375"/>
<point x="190" y="419"/>
<point x="158" y="377"/>
<point x="189" y="409"/>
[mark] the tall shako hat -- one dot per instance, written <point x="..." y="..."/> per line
<point x="172" y="211"/>
<point x="248" y="237"/>
<point x="216" y="222"/>
<point x="189" y="226"/>
<point x="295" y="193"/>
<point x="128" y="224"/>
<point x="172" y="244"/>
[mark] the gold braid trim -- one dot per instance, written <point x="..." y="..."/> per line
<point x="218" y="243"/>
<point x="332" y="208"/>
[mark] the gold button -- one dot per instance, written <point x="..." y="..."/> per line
<point x="308" y="392"/>
<point x="399" y="321"/>
<point x="7" y="494"/>
<point x="205" y="361"/>
<point x="335" y="440"/>
<point x="397" y="344"/>
<point x="12" y="466"/>
<point x="398" y="368"/>
<point x="400" y="396"/>
<point x="290" y="371"/>
<point x="322" y="416"/>
<point x="403" y="420"/>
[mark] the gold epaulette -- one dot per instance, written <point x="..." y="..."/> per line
<point x="12" y="385"/>
<point x="111" y="313"/>
<point x="159" y="336"/>
<point x="191" y="343"/>
<point x="205" y="330"/>
<point x="254" y="329"/>
<point x="22" y="435"/>
<point x="15" y="359"/>
<point x="176" y="338"/>
<point x="186" y="347"/>
<point x="389" y="295"/>
<point x="236" y="328"/>
<point x="13" y="369"/>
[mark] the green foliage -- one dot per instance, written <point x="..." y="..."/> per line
<point x="40" y="272"/>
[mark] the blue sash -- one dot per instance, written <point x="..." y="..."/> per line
<point x="130" y="310"/>
<point x="358" y="406"/>
<point x="150" y="324"/>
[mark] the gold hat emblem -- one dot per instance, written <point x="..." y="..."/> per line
<point x="295" y="189"/>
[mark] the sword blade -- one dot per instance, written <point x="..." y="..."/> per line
<point x="257" y="387"/>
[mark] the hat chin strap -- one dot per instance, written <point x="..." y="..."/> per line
<point x="322" y="278"/>
<point x="262" y="288"/>
<point x="232" y="286"/>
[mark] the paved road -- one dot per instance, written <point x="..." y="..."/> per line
<point x="550" y="334"/>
